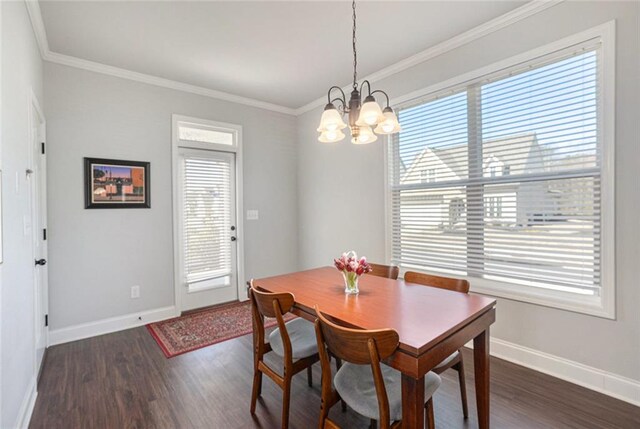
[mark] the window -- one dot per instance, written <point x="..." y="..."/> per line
<point x="206" y="218"/>
<point x="428" y="175"/>
<point x="199" y="133"/>
<point x="519" y="205"/>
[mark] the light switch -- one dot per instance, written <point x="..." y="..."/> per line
<point x="252" y="215"/>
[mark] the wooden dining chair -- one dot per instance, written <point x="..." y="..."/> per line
<point x="387" y="271"/>
<point x="455" y="360"/>
<point x="371" y="389"/>
<point x="294" y="341"/>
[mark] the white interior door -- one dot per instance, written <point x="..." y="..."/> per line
<point x="37" y="174"/>
<point x="207" y="198"/>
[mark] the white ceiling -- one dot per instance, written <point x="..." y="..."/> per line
<point x="286" y="53"/>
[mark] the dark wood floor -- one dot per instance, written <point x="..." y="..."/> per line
<point x="123" y="380"/>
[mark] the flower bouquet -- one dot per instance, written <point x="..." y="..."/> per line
<point x="352" y="268"/>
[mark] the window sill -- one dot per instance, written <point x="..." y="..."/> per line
<point x="599" y="306"/>
<point x="215" y="283"/>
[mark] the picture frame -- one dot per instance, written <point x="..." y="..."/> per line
<point x="116" y="184"/>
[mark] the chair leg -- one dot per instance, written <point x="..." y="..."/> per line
<point x="429" y="421"/>
<point x="463" y="387"/>
<point x="310" y="376"/>
<point x="286" y="399"/>
<point x="256" y="391"/>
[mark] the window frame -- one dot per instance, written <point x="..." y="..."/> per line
<point x="603" y="305"/>
<point x="177" y="145"/>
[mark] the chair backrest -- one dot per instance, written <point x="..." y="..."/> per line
<point x="359" y="347"/>
<point x="458" y="285"/>
<point x="388" y="271"/>
<point x="269" y="305"/>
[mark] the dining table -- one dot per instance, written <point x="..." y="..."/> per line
<point x="432" y="323"/>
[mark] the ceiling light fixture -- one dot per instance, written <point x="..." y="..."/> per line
<point x="362" y="116"/>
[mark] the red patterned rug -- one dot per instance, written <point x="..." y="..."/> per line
<point x="206" y="327"/>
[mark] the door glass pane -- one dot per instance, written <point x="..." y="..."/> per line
<point x="207" y="218"/>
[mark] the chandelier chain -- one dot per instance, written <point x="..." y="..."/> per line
<point x="355" y="55"/>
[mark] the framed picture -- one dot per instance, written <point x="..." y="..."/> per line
<point x="116" y="184"/>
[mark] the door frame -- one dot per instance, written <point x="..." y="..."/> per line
<point x="236" y="148"/>
<point x="38" y="190"/>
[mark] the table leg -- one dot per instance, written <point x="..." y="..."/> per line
<point x="412" y="402"/>
<point x="481" y="368"/>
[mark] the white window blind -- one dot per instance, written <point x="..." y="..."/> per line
<point x="514" y="189"/>
<point x="207" y="218"/>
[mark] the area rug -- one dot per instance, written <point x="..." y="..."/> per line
<point x="204" y="328"/>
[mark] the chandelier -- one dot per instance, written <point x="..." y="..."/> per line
<point x="365" y="119"/>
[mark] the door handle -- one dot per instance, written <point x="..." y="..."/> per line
<point x="41" y="261"/>
<point x="233" y="238"/>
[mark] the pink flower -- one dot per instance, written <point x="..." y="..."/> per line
<point x="350" y="263"/>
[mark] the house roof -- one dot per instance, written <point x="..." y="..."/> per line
<point x="509" y="150"/>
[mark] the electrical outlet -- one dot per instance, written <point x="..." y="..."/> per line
<point x="252" y="215"/>
<point x="135" y="292"/>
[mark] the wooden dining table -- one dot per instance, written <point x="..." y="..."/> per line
<point x="432" y="324"/>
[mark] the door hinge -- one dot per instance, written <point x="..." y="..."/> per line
<point x="46" y="320"/>
<point x="44" y="233"/>
<point x="43" y="148"/>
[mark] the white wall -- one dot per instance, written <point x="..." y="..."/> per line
<point x="21" y="73"/>
<point x="341" y="188"/>
<point x="97" y="255"/>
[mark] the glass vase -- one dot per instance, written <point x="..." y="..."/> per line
<point x="350" y="283"/>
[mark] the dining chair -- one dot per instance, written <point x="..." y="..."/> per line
<point x="369" y="388"/>
<point x="294" y="341"/>
<point x="455" y="360"/>
<point x="388" y="271"/>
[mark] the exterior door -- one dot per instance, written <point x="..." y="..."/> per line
<point x="207" y="198"/>
<point x="37" y="174"/>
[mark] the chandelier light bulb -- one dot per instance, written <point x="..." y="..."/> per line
<point x="331" y="136"/>
<point x="331" y="119"/>
<point x="370" y="113"/>
<point x="390" y="125"/>
<point x="365" y="135"/>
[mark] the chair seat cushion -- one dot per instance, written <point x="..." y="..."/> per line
<point x="303" y="339"/>
<point x="355" y="385"/>
<point x="445" y="362"/>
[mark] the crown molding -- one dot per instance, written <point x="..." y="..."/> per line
<point x="518" y="14"/>
<point x="35" y="15"/>
<point x="79" y="63"/>
<point x="523" y="12"/>
<point x="33" y="9"/>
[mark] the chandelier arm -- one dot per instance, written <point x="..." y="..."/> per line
<point x="381" y="92"/>
<point x="368" y="87"/>
<point x="343" y="99"/>
<point x="343" y="106"/>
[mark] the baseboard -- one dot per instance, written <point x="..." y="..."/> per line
<point x="112" y="324"/>
<point x="26" y="409"/>
<point x="610" y="384"/>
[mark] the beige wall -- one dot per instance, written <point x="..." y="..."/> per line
<point x="341" y="187"/>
